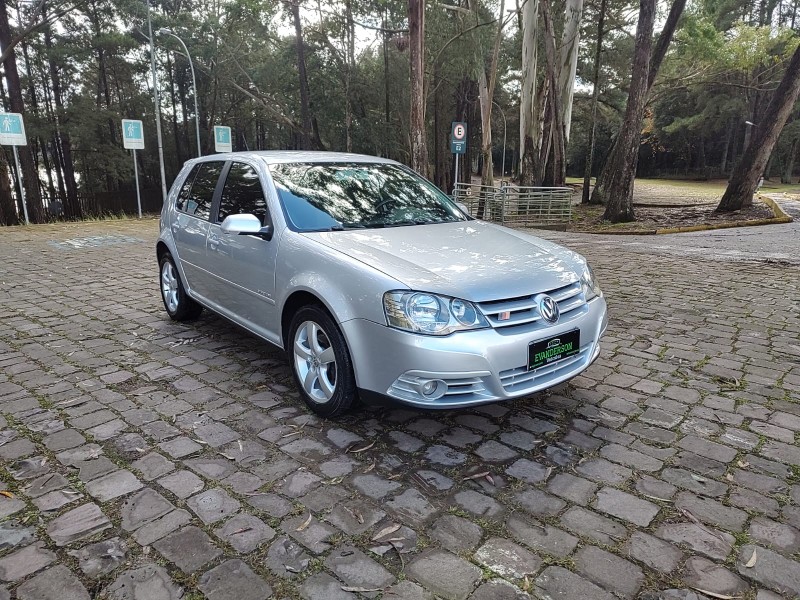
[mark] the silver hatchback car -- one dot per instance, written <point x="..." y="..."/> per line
<point x="374" y="281"/>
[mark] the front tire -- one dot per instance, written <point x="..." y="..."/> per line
<point x="321" y="363"/>
<point x="179" y="306"/>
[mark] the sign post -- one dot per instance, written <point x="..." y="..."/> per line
<point x="458" y="143"/>
<point x="12" y="133"/>
<point x="222" y="139"/>
<point x="133" y="139"/>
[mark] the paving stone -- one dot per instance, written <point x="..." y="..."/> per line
<point x="714" y="544"/>
<point x="242" y="482"/>
<point x="558" y="582"/>
<point x="708" y="449"/>
<point x="272" y="504"/>
<point x="13" y="534"/>
<point x="153" y="465"/>
<point x="411" y="506"/>
<point x="601" y="470"/>
<point x="286" y="559"/>
<point x="461" y="437"/>
<point x="148" y="582"/>
<point x="608" y="570"/>
<point x="51" y="501"/>
<point x="498" y="589"/>
<point x="711" y="512"/>
<point x="357" y="570"/>
<point x="407" y="590"/>
<point x="158" y="528"/>
<point x="63" y="440"/>
<point x="77" y="523"/>
<point x="574" y="489"/>
<point x="507" y="559"/>
<point x="695" y="483"/>
<point x="660" y="418"/>
<point x="593" y="526"/>
<point x="233" y="579"/>
<point x="355" y="517"/>
<point x="89" y="470"/>
<point x="435" y="480"/>
<point x="101" y="558"/>
<point x="444" y="574"/>
<point x="324" y="587"/>
<point x="456" y="534"/>
<point x="771" y="570"/>
<point x="180" y="447"/>
<point x="213" y="505"/>
<point x="44" y="484"/>
<point x="626" y="506"/>
<point x="427" y="427"/>
<point x="56" y="583"/>
<point x="374" y="486"/>
<point x="478" y="504"/>
<point x="29" y="468"/>
<point x="245" y="532"/>
<point x="113" y="485"/>
<point x="298" y="483"/>
<point x="630" y="458"/>
<point x="182" y="483"/>
<point x="542" y="538"/>
<point x="17" y="449"/>
<point x="142" y="508"/>
<point x="528" y="471"/>
<point x="778" y="536"/>
<point x="444" y="455"/>
<point x="492" y="451"/>
<point x="539" y="503"/>
<point x="314" y="536"/>
<point x="25" y="561"/>
<point x="215" y="434"/>
<point x="702" y="574"/>
<point x="653" y="552"/>
<point x="190" y="548"/>
<point x="108" y="430"/>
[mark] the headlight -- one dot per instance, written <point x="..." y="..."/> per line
<point x="431" y="314"/>
<point x="589" y="285"/>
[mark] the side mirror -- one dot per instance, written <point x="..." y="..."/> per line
<point x="245" y="225"/>
<point x="463" y="207"/>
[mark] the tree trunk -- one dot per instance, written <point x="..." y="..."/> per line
<point x="529" y="123"/>
<point x="306" y="136"/>
<point x="662" y="45"/>
<point x="723" y="163"/>
<point x="558" y="174"/>
<point x="416" y="29"/>
<point x="619" y="207"/>
<point x="744" y="181"/>
<point x="30" y="172"/>
<point x="8" y="212"/>
<point x="568" y="61"/>
<point x="587" y="173"/>
<point x="787" y="171"/>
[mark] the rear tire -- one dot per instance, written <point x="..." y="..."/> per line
<point x="320" y="362"/>
<point x="179" y="306"/>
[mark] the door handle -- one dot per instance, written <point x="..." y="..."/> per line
<point x="213" y="242"/>
<point x="175" y="227"/>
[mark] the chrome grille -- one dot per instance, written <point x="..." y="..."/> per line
<point x="459" y="389"/>
<point x="524" y="311"/>
<point x="519" y="379"/>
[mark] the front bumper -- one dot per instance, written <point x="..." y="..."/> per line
<point x="476" y="367"/>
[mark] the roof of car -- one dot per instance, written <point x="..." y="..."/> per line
<point x="299" y="156"/>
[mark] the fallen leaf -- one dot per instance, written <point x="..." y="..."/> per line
<point x="490" y="479"/>
<point x="241" y="446"/>
<point x="364" y="449"/>
<point x="715" y="595"/>
<point x="370" y="468"/>
<point x="698" y="478"/>
<point x="743" y="464"/>
<point x="350" y="588"/>
<point x="305" y="524"/>
<point x="729" y="476"/>
<point x="752" y="562"/>
<point x="386" y="531"/>
<point x="480" y="475"/>
<point x="6" y="494"/>
<point x="242" y="530"/>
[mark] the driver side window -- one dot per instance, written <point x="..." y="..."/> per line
<point x="242" y="194"/>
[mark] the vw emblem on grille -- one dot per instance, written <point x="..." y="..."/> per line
<point x="548" y="308"/>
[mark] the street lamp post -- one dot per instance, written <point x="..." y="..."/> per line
<point x="165" y="31"/>
<point x="503" y="168"/>
<point x="158" y="106"/>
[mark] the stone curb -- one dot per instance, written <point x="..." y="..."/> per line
<point x="779" y="218"/>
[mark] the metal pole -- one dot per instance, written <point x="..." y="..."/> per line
<point x="455" y="178"/>
<point x="136" y="176"/>
<point x="194" y="86"/>
<point x="157" y="104"/>
<point x="21" y="189"/>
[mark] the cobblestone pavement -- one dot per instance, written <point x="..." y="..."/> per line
<point x="144" y="459"/>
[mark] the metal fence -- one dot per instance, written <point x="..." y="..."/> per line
<point x="516" y="206"/>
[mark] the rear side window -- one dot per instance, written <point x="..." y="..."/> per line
<point x="186" y="189"/>
<point x="199" y="198"/>
<point x="242" y="193"/>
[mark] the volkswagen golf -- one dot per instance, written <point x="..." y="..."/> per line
<point x="375" y="282"/>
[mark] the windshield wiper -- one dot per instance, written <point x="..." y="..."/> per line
<point x="407" y="222"/>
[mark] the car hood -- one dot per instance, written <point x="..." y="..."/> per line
<point x="472" y="260"/>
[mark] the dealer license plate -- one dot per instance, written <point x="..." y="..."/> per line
<point x="553" y="349"/>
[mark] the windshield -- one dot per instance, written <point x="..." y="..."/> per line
<point x="337" y="196"/>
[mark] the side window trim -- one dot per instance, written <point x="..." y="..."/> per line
<point x="223" y="177"/>
<point x="265" y="187"/>
<point x="190" y="177"/>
